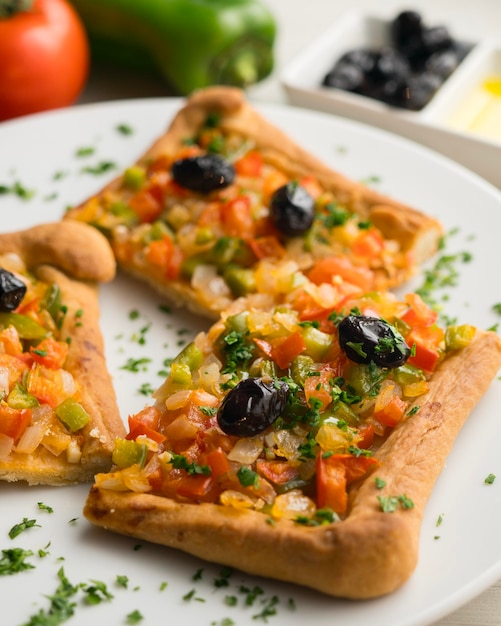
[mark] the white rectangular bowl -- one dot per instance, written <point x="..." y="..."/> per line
<point x="302" y="81"/>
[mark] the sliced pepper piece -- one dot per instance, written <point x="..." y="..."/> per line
<point x="72" y="414"/>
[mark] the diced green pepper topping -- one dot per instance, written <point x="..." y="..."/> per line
<point x="52" y="300"/>
<point x="158" y="231"/>
<point x="408" y="374"/>
<point x="457" y="337"/>
<point x="127" y="452"/>
<point x="240" y="280"/>
<point x="180" y="375"/>
<point x="134" y="177"/>
<point x="300" y="367"/>
<point x="317" y="342"/>
<point x="25" y="326"/>
<point x="20" y="398"/>
<point x="191" y="356"/>
<point x="238" y="322"/>
<point x="127" y="216"/>
<point x="204" y="235"/>
<point x="72" y="414"/>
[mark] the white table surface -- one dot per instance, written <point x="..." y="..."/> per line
<point x="299" y="22"/>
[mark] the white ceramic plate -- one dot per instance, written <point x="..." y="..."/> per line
<point x="458" y="559"/>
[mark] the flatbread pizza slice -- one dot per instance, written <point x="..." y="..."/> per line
<point x="58" y="411"/>
<point x="301" y="443"/>
<point x="224" y="196"/>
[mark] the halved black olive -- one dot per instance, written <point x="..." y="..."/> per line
<point x="252" y="406"/>
<point x="12" y="291"/>
<point x="292" y="209"/>
<point x="365" y="339"/>
<point x="203" y="173"/>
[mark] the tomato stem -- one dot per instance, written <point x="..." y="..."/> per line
<point x="11" y="7"/>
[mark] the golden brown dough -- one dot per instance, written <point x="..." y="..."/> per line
<point x="369" y="553"/>
<point x="75" y="257"/>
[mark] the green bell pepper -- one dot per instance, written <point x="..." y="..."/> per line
<point x="191" y="43"/>
<point x="72" y="414"/>
<point x="25" y="326"/>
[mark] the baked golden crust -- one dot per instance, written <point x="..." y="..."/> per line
<point x="76" y="258"/>
<point x="416" y="234"/>
<point x="369" y="553"/>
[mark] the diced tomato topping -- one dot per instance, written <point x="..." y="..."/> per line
<point x="425" y="353"/>
<point x="146" y="206"/>
<point x="218" y="462"/>
<point x="331" y="484"/>
<point x="271" y="183"/>
<point x="251" y="164"/>
<point x="211" y="215"/>
<point x="267" y="247"/>
<point x="236" y="217"/>
<point x="369" y="244"/>
<point x="286" y="349"/>
<point x="319" y="388"/>
<point x="357" y="466"/>
<point x="145" y="423"/>
<point x="50" y="353"/>
<point x="161" y="163"/>
<point x="264" y="346"/>
<point x="45" y="390"/>
<point x="418" y="313"/>
<point x="14" y="365"/>
<point x="334" y="474"/>
<point x="9" y="339"/>
<point x="13" y="422"/>
<point x="197" y="487"/>
<point x="165" y="255"/>
<point x="326" y="269"/>
<point x="157" y="185"/>
<point x="392" y="412"/>
<point x="277" y="472"/>
<point x="367" y="433"/>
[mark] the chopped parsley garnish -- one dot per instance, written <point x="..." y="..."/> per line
<point x="134" y="617"/>
<point x="122" y="581"/>
<point x="191" y="596"/>
<point x="13" y="561"/>
<point x="332" y="216"/>
<point x="389" y="504"/>
<point x="210" y="411"/>
<point x="490" y="479"/>
<point x="380" y="483"/>
<point x="61" y="605"/>
<point x="236" y="351"/>
<point x="97" y="592"/>
<point x="223" y="579"/>
<point x="247" y="477"/>
<point x="101" y="168"/>
<point x="17" y="189"/>
<point x="85" y="152"/>
<point x="17" y="529"/>
<point x="146" y="389"/>
<point x="179" y="461"/>
<point x="125" y="129"/>
<point x="45" y="507"/>
<point x="136" y="365"/>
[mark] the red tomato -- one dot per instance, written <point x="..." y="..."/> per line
<point x="45" y="58"/>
